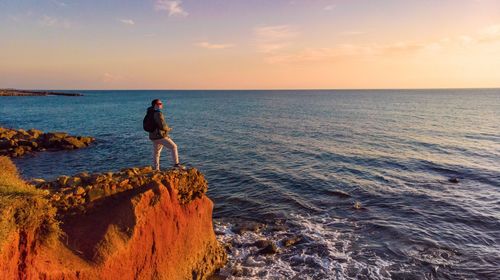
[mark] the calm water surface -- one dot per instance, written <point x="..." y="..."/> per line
<point x="303" y="159"/>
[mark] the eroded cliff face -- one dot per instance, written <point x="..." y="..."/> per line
<point x="156" y="226"/>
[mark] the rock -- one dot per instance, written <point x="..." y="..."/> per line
<point x="22" y="132"/>
<point x="86" y="140"/>
<point x="37" y="181"/>
<point x="35" y="133"/>
<point x="357" y="205"/>
<point x="74" y="181"/>
<point x="63" y="180"/>
<point x="237" y="271"/>
<point x="247" y="226"/>
<point x="123" y="183"/>
<point x="269" y="249"/>
<point x="95" y="194"/>
<point x="36" y="140"/>
<point x="143" y="234"/>
<point x="287" y="242"/>
<point x="262" y="243"/>
<point x="453" y="180"/>
<point x="18" y="151"/>
<point x="57" y="135"/>
<point x="79" y="191"/>
<point x="146" y="169"/>
<point x="73" y="142"/>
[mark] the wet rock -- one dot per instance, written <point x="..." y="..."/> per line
<point x="247" y="226"/>
<point x="287" y="242"/>
<point x="338" y="193"/>
<point x="453" y="180"/>
<point x="269" y="249"/>
<point x="72" y="141"/>
<point x="237" y="271"/>
<point x="16" y="143"/>
<point x="357" y="205"/>
<point x="262" y="243"/>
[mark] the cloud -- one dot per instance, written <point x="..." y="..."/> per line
<point x="330" y="7"/>
<point x="351" y="50"/>
<point x="489" y="33"/>
<point x="111" y="78"/>
<point x="276" y="43"/>
<point x="274" y="38"/>
<point x="173" y="8"/>
<point x="212" y="46"/>
<point x="20" y="17"/>
<point x="275" y="32"/>
<point x="49" y="21"/>
<point x="127" y="21"/>
<point x="352" y="33"/>
<point x="59" y="3"/>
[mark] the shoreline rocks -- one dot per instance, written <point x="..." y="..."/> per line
<point x="18" y="142"/>
<point x="17" y="92"/>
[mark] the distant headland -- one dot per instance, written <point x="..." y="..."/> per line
<point x="18" y="92"/>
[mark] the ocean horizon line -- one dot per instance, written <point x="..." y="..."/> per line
<point x="260" y="89"/>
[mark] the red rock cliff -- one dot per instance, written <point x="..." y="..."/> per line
<point x="144" y="225"/>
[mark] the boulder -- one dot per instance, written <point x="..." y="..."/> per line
<point x="63" y="180"/>
<point x="287" y="242"/>
<point x="262" y="243"/>
<point x="74" y="181"/>
<point x="269" y="249"/>
<point x="57" y="135"/>
<point x="34" y="133"/>
<point x="79" y="191"/>
<point x="73" y="141"/>
<point x="247" y="226"/>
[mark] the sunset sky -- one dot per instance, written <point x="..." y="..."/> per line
<point x="249" y="44"/>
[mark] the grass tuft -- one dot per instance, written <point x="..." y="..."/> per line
<point x="24" y="208"/>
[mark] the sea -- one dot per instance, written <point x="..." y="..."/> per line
<point x="372" y="184"/>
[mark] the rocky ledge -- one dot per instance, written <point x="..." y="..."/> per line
<point x="77" y="194"/>
<point x="132" y="224"/>
<point x="16" y="143"/>
<point x="17" y="92"/>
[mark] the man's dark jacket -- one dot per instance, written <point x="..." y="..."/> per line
<point x="162" y="128"/>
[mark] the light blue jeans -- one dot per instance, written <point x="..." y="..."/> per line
<point x="158" y="146"/>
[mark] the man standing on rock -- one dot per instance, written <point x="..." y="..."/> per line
<point x="155" y="124"/>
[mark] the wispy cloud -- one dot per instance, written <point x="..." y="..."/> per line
<point x="212" y="46"/>
<point x="20" y="17"/>
<point x="49" y="21"/>
<point x="111" y="78"/>
<point x="330" y="7"/>
<point x="127" y="21"/>
<point x="489" y="34"/>
<point x="59" y="3"/>
<point x="174" y="8"/>
<point x="273" y="38"/>
<point x="352" y="33"/>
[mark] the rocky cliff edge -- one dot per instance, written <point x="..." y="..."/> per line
<point x="154" y="225"/>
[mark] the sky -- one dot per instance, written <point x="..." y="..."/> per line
<point x="249" y="44"/>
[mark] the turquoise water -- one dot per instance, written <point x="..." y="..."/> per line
<point x="304" y="158"/>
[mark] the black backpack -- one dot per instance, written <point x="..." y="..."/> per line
<point x="148" y="123"/>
